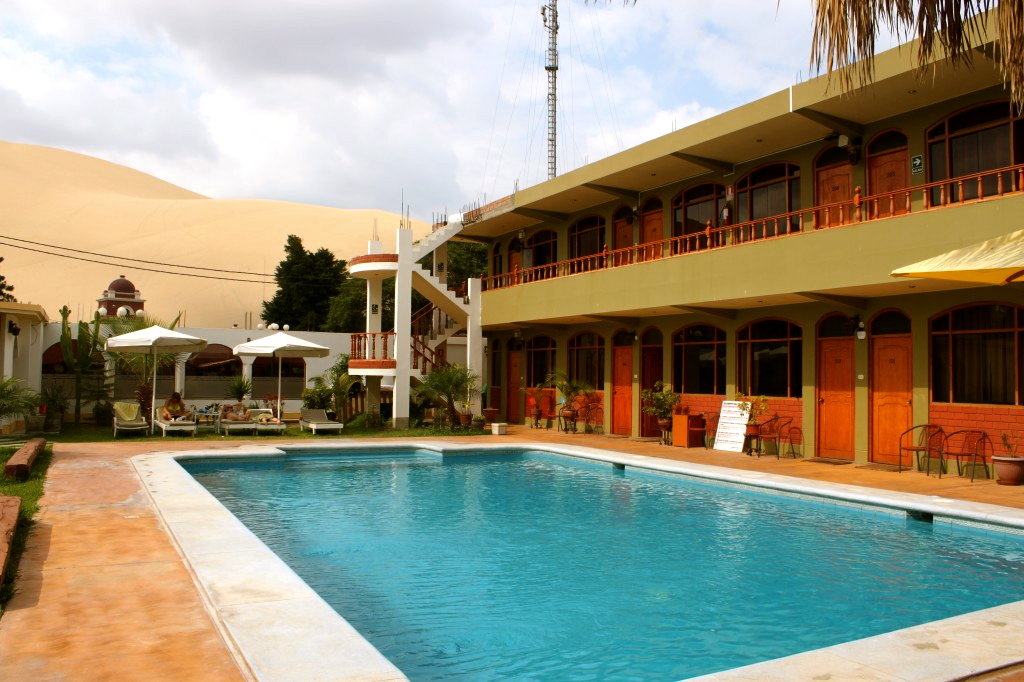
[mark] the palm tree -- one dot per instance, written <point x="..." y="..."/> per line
<point x="447" y="386"/>
<point x="845" y="30"/>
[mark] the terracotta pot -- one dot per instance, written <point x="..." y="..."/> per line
<point x="490" y="414"/>
<point x="665" y="424"/>
<point x="465" y="418"/>
<point x="753" y="429"/>
<point x="1010" y="470"/>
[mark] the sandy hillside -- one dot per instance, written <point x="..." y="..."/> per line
<point x="68" y="203"/>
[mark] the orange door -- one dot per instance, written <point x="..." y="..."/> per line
<point x="512" y="414"/>
<point x="623" y="238"/>
<point x="622" y="390"/>
<point x="891" y="396"/>
<point x="651" y="233"/>
<point x="887" y="175"/>
<point x="835" y="398"/>
<point x="651" y="373"/>
<point x="834" y="185"/>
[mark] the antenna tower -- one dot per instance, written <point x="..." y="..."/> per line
<point x="549" y="13"/>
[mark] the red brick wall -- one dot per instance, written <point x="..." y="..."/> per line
<point x="995" y="420"/>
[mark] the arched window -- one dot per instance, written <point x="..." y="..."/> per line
<point x="836" y="326"/>
<point x="542" y="250"/>
<point x="698" y="360"/>
<point x="586" y="359"/>
<point x="770" y="359"/>
<point x="215" y="360"/>
<point x="978" y="354"/>
<point x="890" y="322"/>
<point x="767" y="192"/>
<point x="496" y="260"/>
<point x="586" y="237"/>
<point x="540" y="359"/>
<point x="691" y="211"/>
<point x="972" y="141"/>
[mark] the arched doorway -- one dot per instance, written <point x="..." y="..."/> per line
<point x="622" y="383"/>
<point x="887" y="161"/>
<point x="835" y="387"/>
<point x="833" y="184"/>
<point x="891" y="386"/>
<point x="652" y="228"/>
<point x="513" y="382"/>
<point x="652" y="370"/>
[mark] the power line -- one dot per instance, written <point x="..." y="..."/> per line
<point x="137" y="267"/>
<point x="137" y="260"/>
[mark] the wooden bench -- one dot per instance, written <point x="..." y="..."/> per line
<point x="9" y="508"/>
<point x="19" y="466"/>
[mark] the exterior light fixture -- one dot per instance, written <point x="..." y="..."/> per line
<point x="102" y="311"/>
<point x="12" y="328"/>
<point x="861" y="331"/>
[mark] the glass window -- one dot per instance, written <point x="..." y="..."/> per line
<point x="836" y="326"/>
<point x="976" y="351"/>
<point x="971" y="142"/>
<point x="770" y="359"/>
<point x="496" y="266"/>
<point x="698" y="360"/>
<point x="768" y="192"/>
<point x="586" y="359"/>
<point x="540" y="359"/>
<point x="890" y="322"/>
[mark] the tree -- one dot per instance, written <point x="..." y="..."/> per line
<point x="6" y="289"/>
<point x="446" y="386"/>
<point x="845" y="30"/>
<point x="306" y="283"/>
<point x="82" y="357"/>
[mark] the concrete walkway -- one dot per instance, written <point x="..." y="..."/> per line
<point x="103" y="595"/>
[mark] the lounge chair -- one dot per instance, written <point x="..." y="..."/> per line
<point x="317" y="420"/>
<point x="266" y="426"/>
<point x="128" y="418"/>
<point x="229" y="426"/>
<point x="177" y="426"/>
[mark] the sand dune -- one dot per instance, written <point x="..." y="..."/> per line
<point x="61" y="199"/>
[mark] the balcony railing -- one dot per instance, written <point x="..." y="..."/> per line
<point x="935" y="195"/>
<point x="372" y="350"/>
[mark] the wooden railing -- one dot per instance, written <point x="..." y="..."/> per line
<point x="959" y="191"/>
<point x="373" y="346"/>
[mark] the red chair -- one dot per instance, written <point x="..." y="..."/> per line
<point x="925" y="442"/>
<point x="966" y="444"/>
<point x="710" y="429"/>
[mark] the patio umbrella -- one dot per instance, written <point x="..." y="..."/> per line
<point x="281" y="345"/>
<point x="153" y="340"/>
<point x="994" y="261"/>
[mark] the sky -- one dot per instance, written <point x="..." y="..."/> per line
<point x="385" y="104"/>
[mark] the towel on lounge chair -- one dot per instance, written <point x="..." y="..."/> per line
<point x="127" y="418"/>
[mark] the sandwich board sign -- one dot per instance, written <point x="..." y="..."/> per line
<point x="732" y="426"/>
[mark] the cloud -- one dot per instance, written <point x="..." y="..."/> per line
<point x="359" y="103"/>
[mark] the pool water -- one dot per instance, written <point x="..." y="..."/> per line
<point x="537" y="567"/>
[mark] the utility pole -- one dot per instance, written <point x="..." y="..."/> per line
<point x="550" y="15"/>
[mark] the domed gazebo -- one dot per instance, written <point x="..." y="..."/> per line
<point x="120" y="298"/>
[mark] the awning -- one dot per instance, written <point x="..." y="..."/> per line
<point x="994" y="261"/>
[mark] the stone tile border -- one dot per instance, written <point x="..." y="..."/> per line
<point x="280" y="629"/>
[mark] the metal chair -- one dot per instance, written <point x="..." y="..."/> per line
<point x="966" y="444"/>
<point x="921" y="441"/>
<point x="768" y="431"/>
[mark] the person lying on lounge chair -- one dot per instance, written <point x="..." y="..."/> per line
<point x="268" y="419"/>
<point x="174" y="409"/>
<point x="236" y="413"/>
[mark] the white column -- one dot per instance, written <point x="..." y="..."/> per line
<point x="403" y="337"/>
<point x="475" y="342"/>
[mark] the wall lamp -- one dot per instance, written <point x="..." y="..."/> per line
<point x="859" y="328"/>
<point x="12" y="328"/>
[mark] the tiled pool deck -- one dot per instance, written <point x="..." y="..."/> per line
<point x="104" y="594"/>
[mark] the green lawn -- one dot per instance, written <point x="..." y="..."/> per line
<point x="29" y="491"/>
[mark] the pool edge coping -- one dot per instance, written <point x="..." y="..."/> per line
<point x="275" y="624"/>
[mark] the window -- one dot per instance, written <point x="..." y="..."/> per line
<point x="586" y="237"/>
<point x="540" y="359"/>
<point x="698" y="360"/>
<point x="977" y="354"/>
<point x="890" y="322"/>
<point x="767" y="192"/>
<point x="693" y="209"/>
<point x="494" y="394"/>
<point x="586" y="359"/>
<point x="215" y="360"/>
<point x="770" y="359"/>
<point x="973" y="141"/>
<point x="496" y="260"/>
<point x="543" y="248"/>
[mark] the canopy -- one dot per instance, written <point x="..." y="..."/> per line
<point x="994" y="261"/>
<point x="281" y="345"/>
<point x="151" y="341"/>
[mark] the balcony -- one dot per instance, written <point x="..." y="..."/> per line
<point x="929" y="197"/>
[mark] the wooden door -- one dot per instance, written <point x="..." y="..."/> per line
<point x="622" y="238"/>
<point x="835" y="398"/>
<point x="891" y="396"/>
<point x="515" y="263"/>
<point x="512" y="394"/>
<point x="651" y="233"/>
<point x="622" y="390"/>
<point x="834" y="185"/>
<point x="887" y="176"/>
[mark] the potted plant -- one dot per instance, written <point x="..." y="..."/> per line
<point x="1009" y="467"/>
<point x="757" y="407"/>
<point x="534" y="395"/>
<point x="317" y="397"/>
<point x="660" y="402"/>
<point x="17" y="400"/>
<point x="238" y="388"/>
<point x="571" y="389"/>
<point x="447" y="386"/>
<point x="490" y="413"/>
<point x="56" y="402"/>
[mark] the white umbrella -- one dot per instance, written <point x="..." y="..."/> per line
<point x="153" y="340"/>
<point x="999" y="260"/>
<point x="281" y="345"/>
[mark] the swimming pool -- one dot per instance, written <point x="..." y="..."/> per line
<point x="576" y="521"/>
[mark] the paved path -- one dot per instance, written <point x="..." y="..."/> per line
<point x="103" y="595"/>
